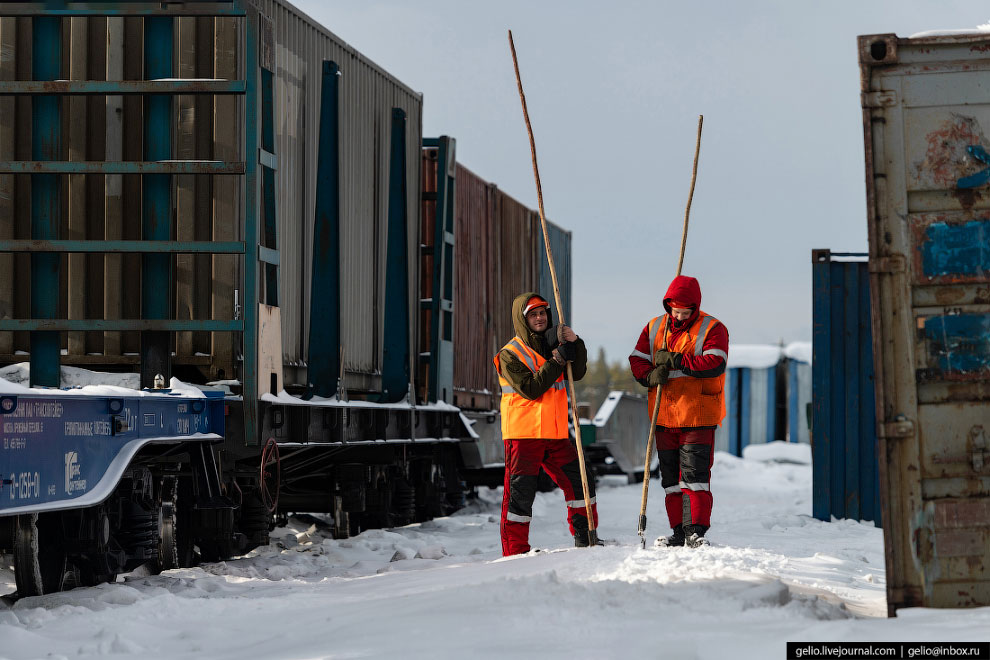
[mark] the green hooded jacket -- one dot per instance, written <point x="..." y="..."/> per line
<point x="525" y="382"/>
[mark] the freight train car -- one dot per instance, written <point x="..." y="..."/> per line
<point x="926" y="113"/>
<point x="500" y="254"/>
<point x="228" y="193"/>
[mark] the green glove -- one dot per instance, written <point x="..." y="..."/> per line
<point x="667" y="359"/>
<point x="657" y="376"/>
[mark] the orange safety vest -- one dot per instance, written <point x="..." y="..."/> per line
<point x="687" y="401"/>
<point x="545" y="417"/>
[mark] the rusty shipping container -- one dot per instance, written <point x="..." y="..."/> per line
<point x="99" y="207"/>
<point x="926" y="117"/>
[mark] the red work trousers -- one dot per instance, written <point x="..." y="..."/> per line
<point x="523" y="460"/>
<point x="685" y="468"/>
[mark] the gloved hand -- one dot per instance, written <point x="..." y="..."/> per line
<point x="668" y="359"/>
<point x="657" y="376"/>
<point x="557" y="357"/>
<point x="568" y="351"/>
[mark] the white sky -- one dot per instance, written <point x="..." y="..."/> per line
<point x="614" y="91"/>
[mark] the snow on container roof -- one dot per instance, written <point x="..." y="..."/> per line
<point x="798" y="350"/>
<point x="753" y="356"/>
<point x="950" y="33"/>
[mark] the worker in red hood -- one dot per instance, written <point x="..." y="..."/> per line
<point x="683" y="354"/>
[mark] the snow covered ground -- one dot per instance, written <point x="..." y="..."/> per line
<point x="441" y="589"/>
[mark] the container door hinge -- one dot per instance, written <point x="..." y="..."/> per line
<point x="895" y="263"/>
<point x="881" y="99"/>
<point x="899" y="428"/>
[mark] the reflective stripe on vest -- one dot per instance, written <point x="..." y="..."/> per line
<point x="687" y="401"/>
<point x="545" y="417"/>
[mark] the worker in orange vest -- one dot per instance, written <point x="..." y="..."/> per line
<point x="684" y="352"/>
<point x="531" y="370"/>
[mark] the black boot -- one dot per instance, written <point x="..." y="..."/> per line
<point x="675" y="539"/>
<point x="581" y="539"/>
<point x="694" y="536"/>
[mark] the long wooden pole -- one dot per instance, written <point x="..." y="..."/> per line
<point x="656" y="401"/>
<point x="592" y="535"/>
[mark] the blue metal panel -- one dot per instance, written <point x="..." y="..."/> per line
<point x="852" y="289"/>
<point x="395" y="365"/>
<point x="821" y="399"/>
<point x="771" y="407"/>
<point x="734" y="412"/>
<point x="119" y="8"/>
<point x="46" y="205"/>
<point x="156" y="202"/>
<point x="959" y="344"/>
<point x="745" y="411"/>
<point x="869" y="465"/>
<point x="323" y="368"/>
<point x="952" y="249"/>
<point x="793" y="416"/>
<point x="56" y="448"/>
<point x="844" y="443"/>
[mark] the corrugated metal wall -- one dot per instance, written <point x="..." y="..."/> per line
<point x="97" y="207"/>
<point x="844" y="451"/>
<point x="367" y="96"/>
<point x="750" y="401"/>
<point x="560" y="246"/>
<point x="475" y="385"/>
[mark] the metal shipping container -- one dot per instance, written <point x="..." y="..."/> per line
<point x="926" y="113"/>
<point x="798" y="391"/>
<point x="206" y="208"/>
<point x="844" y="452"/>
<point x="560" y="246"/>
<point x="750" y="398"/>
<point x="475" y="384"/>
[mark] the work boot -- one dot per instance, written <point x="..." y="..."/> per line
<point x="675" y="539"/>
<point x="581" y="539"/>
<point x="694" y="536"/>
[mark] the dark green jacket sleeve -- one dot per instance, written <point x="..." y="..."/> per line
<point x="525" y="382"/>
<point x="580" y="364"/>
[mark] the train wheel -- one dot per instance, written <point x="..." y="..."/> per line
<point x="168" y="546"/>
<point x="40" y="562"/>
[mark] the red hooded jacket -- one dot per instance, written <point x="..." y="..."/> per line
<point x="684" y="290"/>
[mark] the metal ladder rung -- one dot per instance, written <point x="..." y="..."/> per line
<point x="130" y="8"/>
<point x="120" y="167"/>
<point x="180" y="247"/>
<point x="123" y="87"/>
<point x="96" y="325"/>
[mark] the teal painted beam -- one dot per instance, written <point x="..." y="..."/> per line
<point x="323" y="366"/>
<point x="46" y="200"/>
<point x="153" y="166"/>
<point x="121" y="87"/>
<point x="180" y="247"/>
<point x="156" y="201"/>
<point x="395" y="348"/>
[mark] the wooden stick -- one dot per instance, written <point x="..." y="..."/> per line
<point x="592" y="536"/>
<point x="656" y="402"/>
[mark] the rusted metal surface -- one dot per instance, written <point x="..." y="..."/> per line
<point x="115" y="87"/>
<point x="925" y="120"/>
<point x="474" y="378"/>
